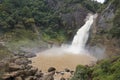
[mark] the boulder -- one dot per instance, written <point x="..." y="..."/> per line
<point x="49" y="76"/>
<point x="12" y="60"/>
<point x="18" y="78"/>
<point x="51" y="69"/>
<point x="7" y="77"/>
<point x="28" y="67"/>
<point x="67" y="70"/>
<point x="72" y="72"/>
<point x="30" y="55"/>
<point x="10" y="76"/>
<point x="30" y="78"/>
<point x="13" y="67"/>
<point x="39" y="74"/>
<point x="62" y="78"/>
<point x="3" y="64"/>
<point x="22" y="61"/>
<point x="62" y="72"/>
<point x="32" y="71"/>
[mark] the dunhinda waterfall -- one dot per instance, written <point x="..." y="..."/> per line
<point x="82" y="35"/>
<point x="68" y="55"/>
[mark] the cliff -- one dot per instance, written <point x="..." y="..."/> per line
<point x="107" y="28"/>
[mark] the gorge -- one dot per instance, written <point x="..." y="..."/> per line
<point x="36" y="35"/>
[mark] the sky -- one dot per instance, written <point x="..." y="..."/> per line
<point x="101" y="1"/>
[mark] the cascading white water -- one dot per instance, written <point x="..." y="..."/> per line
<point x="80" y="39"/>
<point x="64" y="56"/>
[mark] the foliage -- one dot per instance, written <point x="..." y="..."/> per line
<point x="28" y="15"/>
<point x="24" y="14"/>
<point x="82" y="73"/>
<point x="91" y="5"/>
<point x="108" y="69"/>
<point x="115" y="30"/>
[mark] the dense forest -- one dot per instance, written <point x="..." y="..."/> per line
<point x="43" y="18"/>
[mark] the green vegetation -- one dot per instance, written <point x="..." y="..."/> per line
<point x="21" y="18"/>
<point x="82" y="73"/>
<point x="105" y="70"/>
<point x="4" y="52"/>
<point x="115" y="30"/>
<point x="26" y="21"/>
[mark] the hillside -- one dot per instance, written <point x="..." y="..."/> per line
<point x="46" y="19"/>
<point x="107" y="28"/>
<point x="41" y="23"/>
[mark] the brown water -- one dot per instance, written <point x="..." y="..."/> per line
<point x="60" y="62"/>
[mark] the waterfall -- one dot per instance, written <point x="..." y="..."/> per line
<point x="65" y="56"/>
<point x="81" y="37"/>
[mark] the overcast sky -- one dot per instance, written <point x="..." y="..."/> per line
<point x="101" y="1"/>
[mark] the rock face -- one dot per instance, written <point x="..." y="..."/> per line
<point x="105" y="18"/>
<point x="72" y="14"/>
<point x="104" y="23"/>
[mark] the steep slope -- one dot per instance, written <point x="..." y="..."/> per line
<point x="30" y="23"/>
<point x="47" y="19"/>
<point x="107" y="26"/>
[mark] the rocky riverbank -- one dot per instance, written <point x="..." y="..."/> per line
<point x="19" y="68"/>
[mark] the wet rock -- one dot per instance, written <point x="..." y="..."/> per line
<point x="67" y="70"/>
<point x="28" y="67"/>
<point x="68" y="79"/>
<point x="30" y="78"/>
<point x="30" y="55"/>
<point x="3" y="64"/>
<point x="22" y="61"/>
<point x="10" y="76"/>
<point x="72" y="72"/>
<point x="5" y="76"/>
<point x="2" y="43"/>
<point x="57" y="72"/>
<point x="62" y="73"/>
<point x="39" y="74"/>
<point x="34" y="78"/>
<point x="21" y="54"/>
<point x="18" y="78"/>
<point x="33" y="71"/>
<point x="13" y="59"/>
<point x="20" y="72"/>
<point x="14" y="67"/>
<point x="26" y="73"/>
<point x="49" y="76"/>
<point x="51" y="69"/>
<point x="62" y="78"/>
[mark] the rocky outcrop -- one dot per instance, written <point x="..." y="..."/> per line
<point x="18" y="68"/>
<point x="105" y="18"/>
<point x="104" y="23"/>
